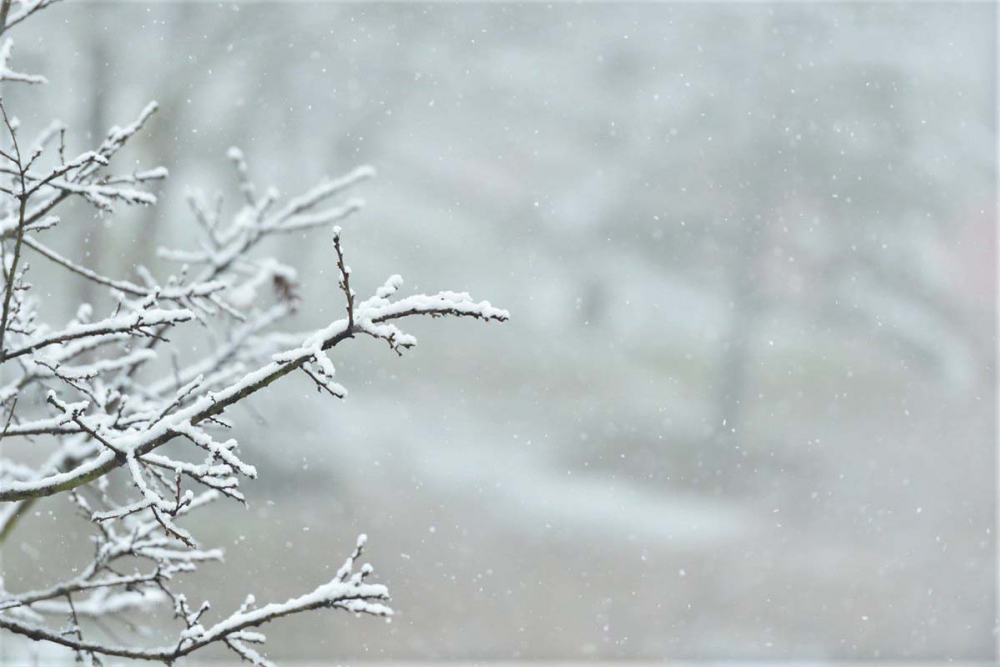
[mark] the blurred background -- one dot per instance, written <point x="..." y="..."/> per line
<point x="746" y="403"/>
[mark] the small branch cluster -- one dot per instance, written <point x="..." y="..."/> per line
<point x="97" y="391"/>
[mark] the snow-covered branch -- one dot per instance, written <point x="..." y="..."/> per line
<point x="348" y="590"/>
<point x="107" y="390"/>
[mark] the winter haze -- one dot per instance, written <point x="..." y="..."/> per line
<point x="745" y="404"/>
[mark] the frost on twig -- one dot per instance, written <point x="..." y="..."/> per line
<point x="106" y="390"/>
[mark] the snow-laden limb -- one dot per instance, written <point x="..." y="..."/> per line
<point x="255" y="222"/>
<point x="25" y="9"/>
<point x="138" y="323"/>
<point x="349" y="590"/>
<point x="107" y="390"/>
<point x="369" y="318"/>
<point x="7" y="74"/>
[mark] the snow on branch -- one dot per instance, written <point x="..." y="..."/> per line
<point x="25" y="9"/>
<point x="7" y="74"/>
<point x="107" y="390"/>
<point x="348" y="590"/>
